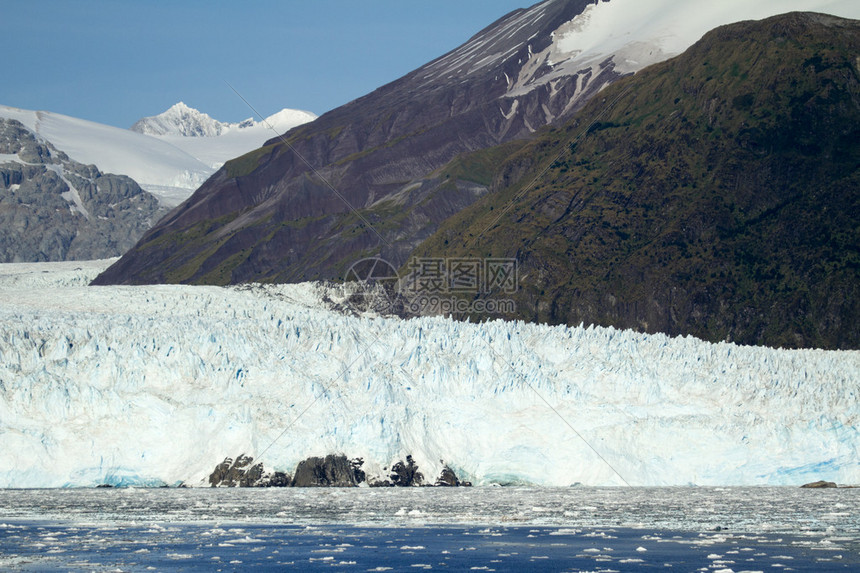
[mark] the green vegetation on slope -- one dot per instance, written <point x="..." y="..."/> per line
<point x="715" y="194"/>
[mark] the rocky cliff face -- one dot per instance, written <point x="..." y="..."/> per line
<point x="56" y="209"/>
<point x="367" y="178"/>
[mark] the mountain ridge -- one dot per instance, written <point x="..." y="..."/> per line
<point x="279" y="219"/>
<point x="183" y="120"/>
<point x="271" y="215"/>
<point x="159" y="167"/>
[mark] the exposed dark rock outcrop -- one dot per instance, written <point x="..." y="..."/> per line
<point x="242" y="474"/>
<point x="231" y="473"/>
<point x="447" y="478"/>
<point x="819" y="485"/>
<point x="334" y="470"/>
<point x="331" y="471"/>
<point x="406" y="474"/>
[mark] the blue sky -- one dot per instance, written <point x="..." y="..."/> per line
<point x="117" y="61"/>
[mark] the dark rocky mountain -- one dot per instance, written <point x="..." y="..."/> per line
<point x="56" y="209"/>
<point x="364" y="179"/>
<point x="716" y="194"/>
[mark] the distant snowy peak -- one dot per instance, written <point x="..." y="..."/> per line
<point x="161" y="168"/>
<point x="213" y="142"/>
<point x="182" y="120"/>
<point x="285" y="119"/>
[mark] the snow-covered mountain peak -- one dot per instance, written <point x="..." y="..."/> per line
<point x="286" y="117"/>
<point x="184" y="121"/>
<point x="211" y="141"/>
<point x="180" y="119"/>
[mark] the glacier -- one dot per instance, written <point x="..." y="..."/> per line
<point x="157" y="384"/>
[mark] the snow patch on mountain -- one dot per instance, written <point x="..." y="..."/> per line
<point x="213" y="142"/>
<point x="637" y="33"/>
<point x="182" y="120"/>
<point x="158" y="384"/>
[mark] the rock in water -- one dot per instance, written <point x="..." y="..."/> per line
<point x="819" y="485"/>
<point x="406" y="475"/>
<point x="447" y="478"/>
<point x="331" y="471"/>
<point x="242" y="474"/>
<point x="231" y="474"/>
<point x="279" y="479"/>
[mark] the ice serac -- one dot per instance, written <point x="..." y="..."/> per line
<point x="152" y="385"/>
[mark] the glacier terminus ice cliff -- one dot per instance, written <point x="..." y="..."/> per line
<point x="156" y="385"/>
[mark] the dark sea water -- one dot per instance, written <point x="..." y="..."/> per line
<point x="481" y="529"/>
